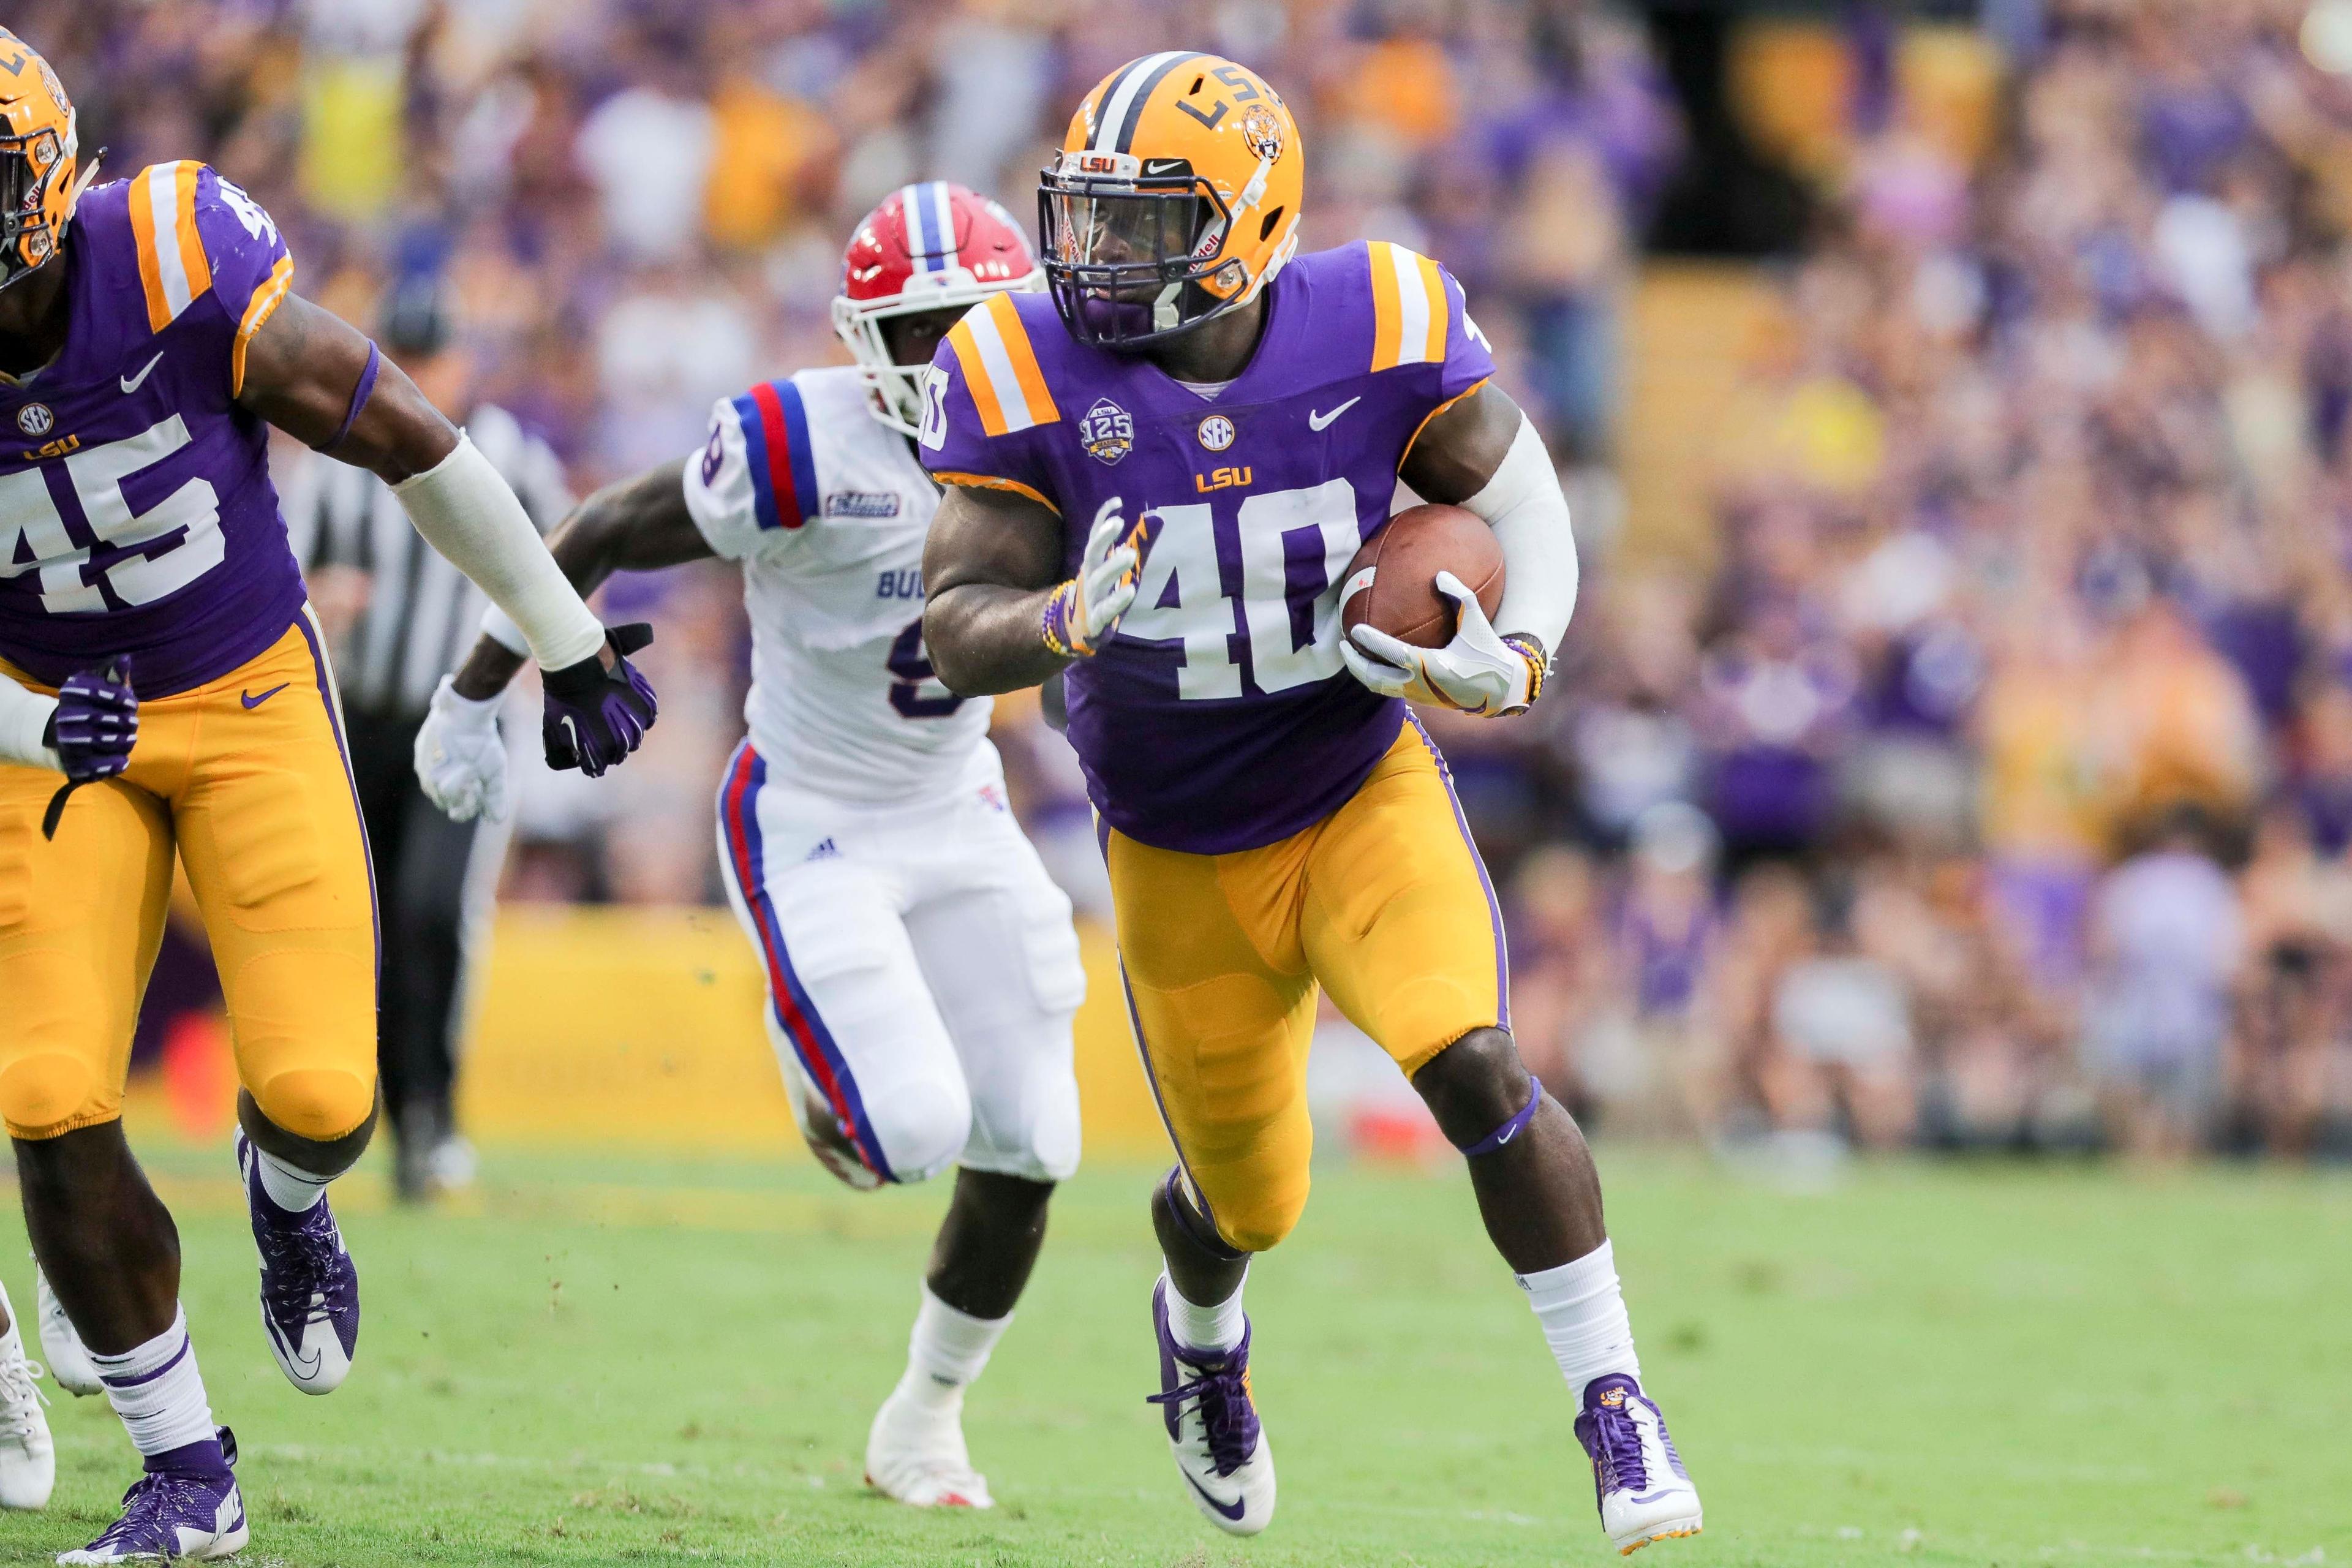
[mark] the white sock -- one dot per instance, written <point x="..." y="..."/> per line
<point x="1583" y="1318"/>
<point x="289" y="1188"/>
<point x="1213" y="1327"/>
<point x="947" y="1351"/>
<point x="157" y="1391"/>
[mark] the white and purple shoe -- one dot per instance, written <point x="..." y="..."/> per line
<point x="1638" y="1479"/>
<point x="185" y="1506"/>
<point x="309" y="1285"/>
<point x="1212" y="1428"/>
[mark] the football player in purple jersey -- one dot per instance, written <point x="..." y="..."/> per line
<point x="157" y="652"/>
<point x="1158" y="474"/>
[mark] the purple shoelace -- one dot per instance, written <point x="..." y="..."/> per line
<point x="1228" y="1420"/>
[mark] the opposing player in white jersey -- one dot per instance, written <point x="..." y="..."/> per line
<point x="921" y="966"/>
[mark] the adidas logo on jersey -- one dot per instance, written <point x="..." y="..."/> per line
<point x="823" y="851"/>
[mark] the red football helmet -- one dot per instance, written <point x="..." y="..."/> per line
<point x="930" y="247"/>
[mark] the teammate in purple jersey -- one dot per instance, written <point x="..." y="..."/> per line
<point x="1273" y="820"/>
<point x="156" y="651"/>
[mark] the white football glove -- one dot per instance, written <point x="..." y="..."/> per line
<point x="1478" y="672"/>
<point x="1085" y="610"/>
<point x="460" y="759"/>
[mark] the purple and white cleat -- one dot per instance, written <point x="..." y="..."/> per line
<point x="309" y="1285"/>
<point x="1212" y="1428"/>
<point x="1644" y="1493"/>
<point x="185" y="1506"/>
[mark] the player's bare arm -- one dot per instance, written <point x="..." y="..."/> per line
<point x="638" y="524"/>
<point x="300" y="372"/>
<point x="993" y="561"/>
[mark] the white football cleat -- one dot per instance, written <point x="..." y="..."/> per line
<point x="917" y="1454"/>
<point x="28" y="1461"/>
<point x="1212" y="1428"/>
<point x="62" y="1346"/>
<point x="1638" y="1479"/>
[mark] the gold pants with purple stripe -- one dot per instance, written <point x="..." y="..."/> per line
<point x="245" y="779"/>
<point x="1384" y="903"/>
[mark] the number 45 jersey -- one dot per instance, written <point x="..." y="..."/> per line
<point x="1218" y="717"/>
<point x="136" y="513"/>
<point x="826" y="508"/>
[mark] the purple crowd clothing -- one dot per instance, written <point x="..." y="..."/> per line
<point x="136" y="511"/>
<point x="1218" y="717"/>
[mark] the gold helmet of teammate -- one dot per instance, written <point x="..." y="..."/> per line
<point x="40" y="152"/>
<point x="1174" y="200"/>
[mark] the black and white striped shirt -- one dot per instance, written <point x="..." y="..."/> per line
<point x="422" y="614"/>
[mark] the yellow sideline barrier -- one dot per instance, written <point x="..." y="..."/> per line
<point x="643" y="1027"/>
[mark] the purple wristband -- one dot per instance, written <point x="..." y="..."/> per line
<point x="360" y="394"/>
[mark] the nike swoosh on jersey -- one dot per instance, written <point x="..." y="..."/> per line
<point x="1318" y="421"/>
<point x="1232" y="1511"/>
<point x="252" y="701"/>
<point x="132" y="384"/>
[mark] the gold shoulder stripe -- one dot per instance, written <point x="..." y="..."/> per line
<point x="173" y="271"/>
<point x="1410" y="309"/>
<point x="992" y="482"/>
<point x="266" y="297"/>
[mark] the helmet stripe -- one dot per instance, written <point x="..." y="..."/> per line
<point x="911" y="212"/>
<point x="1123" y="105"/>
<point x="943" y="223"/>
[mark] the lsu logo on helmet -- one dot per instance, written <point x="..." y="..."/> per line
<point x="1175" y="199"/>
<point x="40" y="152"/>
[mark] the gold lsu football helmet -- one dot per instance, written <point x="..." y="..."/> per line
<point x="1174" y="200"/>
<point x="40" y="152"/>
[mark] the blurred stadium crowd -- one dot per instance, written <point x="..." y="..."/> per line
<point x="1983" y="780"/>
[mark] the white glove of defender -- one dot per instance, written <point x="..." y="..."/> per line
<point x="1477" y="672"/>
<point x="460" y="759"/>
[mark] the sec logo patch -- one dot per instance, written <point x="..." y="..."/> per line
<point x="35" y="419"/>
<point x="1216" y="432"/>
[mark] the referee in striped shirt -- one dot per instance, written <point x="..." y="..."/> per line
<point x="417" y="618"/>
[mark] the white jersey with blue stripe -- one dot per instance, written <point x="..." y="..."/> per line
<point x="828" y="507"/>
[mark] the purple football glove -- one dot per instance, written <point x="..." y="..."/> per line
<point x="92" y="732"/>
<point x="596" y="716"/>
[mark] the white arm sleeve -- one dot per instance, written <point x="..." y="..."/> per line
<point x="1523" y="504"/>
<point x="467" y="513"/>
<point x="24" y="719"/>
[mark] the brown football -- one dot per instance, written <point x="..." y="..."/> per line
<point x="1392" y="581"/>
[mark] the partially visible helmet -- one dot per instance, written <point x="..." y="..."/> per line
<point x="39" y="154"/>
<point x="930" y="246"/>
<point x="1175" y="199"/>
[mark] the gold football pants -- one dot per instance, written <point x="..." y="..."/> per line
<point x="247" y="779"/>
<point x="1384" y="903"/>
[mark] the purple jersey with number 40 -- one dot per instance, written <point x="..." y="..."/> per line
<point x="136" y="513"/>
<point x="1218" y="717"/>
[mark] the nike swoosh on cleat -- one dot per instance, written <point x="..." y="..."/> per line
<point x="132" y="384"/>
<point x="1233" y="1512"/>
<point x="1318" y="421"/>
<point x="252" y="701"/>
<point x="1661" y="1491"/>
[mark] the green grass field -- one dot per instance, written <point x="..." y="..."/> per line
<point x="625" y="1361"/>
